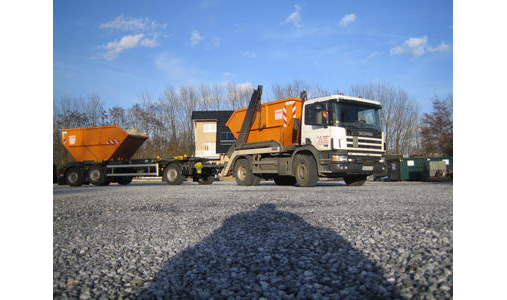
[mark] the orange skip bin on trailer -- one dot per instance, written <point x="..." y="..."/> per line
<point x="275" y="121"/>
<point x="102" y="142"/>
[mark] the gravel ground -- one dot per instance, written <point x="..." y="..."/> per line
<point x="151" y="240"/>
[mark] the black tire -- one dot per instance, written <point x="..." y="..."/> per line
<point x="74" y="177"/>
<point x="173" y="174"/>
<point x="206" y="180"/>
<point x="97" y="176"/>
<point x="305" y="170"/>
<point x="125" y="180"/>
<point x="243" y="173"/>
<point x="355" y="180"/>
<point x="284" y="180"/>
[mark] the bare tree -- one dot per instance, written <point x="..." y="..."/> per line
<point x="399" y="115"/>
<point x="294" y="89"/>
<point x="94" y="109"/>
<point x="218" y="97"/>
<point x="117" y="116"/>
<point x="170" y="105"/>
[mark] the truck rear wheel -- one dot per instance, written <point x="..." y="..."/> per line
<point x="243" y="173"/>
<point x="173" y="174"/>
<point x="74" y="177"/>
<point x="96" y="175"/>
<point x="355" y="180"/>
<point x="305" y="170"/>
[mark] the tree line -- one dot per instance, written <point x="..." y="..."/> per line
<point x="167" y="118"/>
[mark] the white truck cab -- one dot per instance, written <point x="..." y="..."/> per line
<point x="349" y="126"/>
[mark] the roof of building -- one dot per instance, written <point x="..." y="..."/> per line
<point x="212" y="115"/>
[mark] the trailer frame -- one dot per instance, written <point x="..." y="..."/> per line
<point x="100" y="173"/>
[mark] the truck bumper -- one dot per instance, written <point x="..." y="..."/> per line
<point x="353" y="168"/>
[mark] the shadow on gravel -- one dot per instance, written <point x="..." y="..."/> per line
<point x="273" y="254"/>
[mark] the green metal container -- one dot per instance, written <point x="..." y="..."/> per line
<point x="411" y="168"/>
<point x="447" y="159"/>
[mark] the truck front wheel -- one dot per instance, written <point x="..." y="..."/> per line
<point x="305" y="170"/>
<point x="173" y="174"/>
<point x="243" y="173"/>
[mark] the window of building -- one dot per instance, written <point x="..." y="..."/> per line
<point x="227" y="138"/>
<point x="210" y="127"/>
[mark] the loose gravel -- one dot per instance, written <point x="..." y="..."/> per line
<point x="154" y="241"/>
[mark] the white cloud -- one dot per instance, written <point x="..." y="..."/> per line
<point x="131" y="24"/>
<point x="113" y="49"/>
<point x="246" y="86"/>
<point x="295" y="17"/>
<point x="347" y="19"/>
<point x="442" y="47"/>
<point x="417" y="46"/>
<point x="151" y="43"/>
<point x="195" y="38"/>
<point x="144" y="33"/>
<point x="227" y="74"/>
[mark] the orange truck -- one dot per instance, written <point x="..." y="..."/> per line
<point x="297" y="141"/>
<point x="103" y="155"/>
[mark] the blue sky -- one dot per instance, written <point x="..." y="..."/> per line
<point x="120" y="49"/>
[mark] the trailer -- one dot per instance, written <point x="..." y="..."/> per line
<point x="297" y="141"/>
<point x="103" y="156"/>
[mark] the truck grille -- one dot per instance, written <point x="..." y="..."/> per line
<point x="365" y="146"/>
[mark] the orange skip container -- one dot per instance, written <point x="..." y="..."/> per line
<point x="102" y="142"/>
<point x="274" y="122"/>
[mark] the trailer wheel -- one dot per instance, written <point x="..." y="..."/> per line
<point x="206" y="180"/>
<point x="173" y="174"/>
<point x="243" y="173"/>
<point x="74" y="177"/>
<point x="305" y="170"/>
<point x="96" y="175"/>
<point x="355" y="180"/>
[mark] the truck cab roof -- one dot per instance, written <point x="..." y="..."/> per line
<point x="342" y="97"/>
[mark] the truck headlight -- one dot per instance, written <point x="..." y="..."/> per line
<point x="339" y="158"/>
<point x="381" y="160"/>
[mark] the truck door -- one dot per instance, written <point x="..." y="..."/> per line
<point x="315" y="129"/>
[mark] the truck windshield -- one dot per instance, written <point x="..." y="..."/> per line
<point x="355" y="115"/>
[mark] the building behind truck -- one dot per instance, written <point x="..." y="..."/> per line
<point x="211" y="136"/>
<point x="296" y="141"/>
